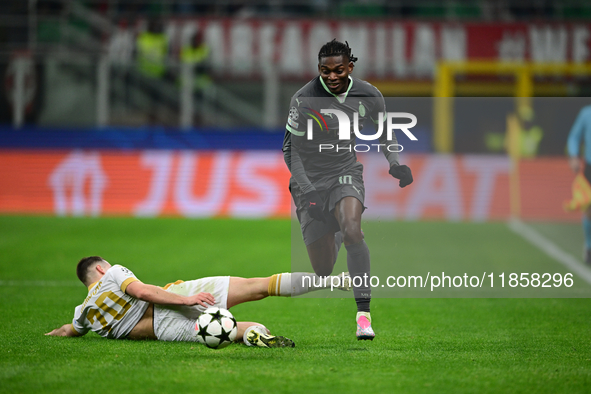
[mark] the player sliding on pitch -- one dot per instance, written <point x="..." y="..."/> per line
<point x="120" y="306"/>
<point x="327" y="185"/>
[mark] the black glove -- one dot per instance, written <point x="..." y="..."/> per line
<point x="314" y="206"/>
<point x="403" y="173"/>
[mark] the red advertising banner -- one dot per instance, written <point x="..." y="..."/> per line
<point x="254" y="184"/>
<point x="385" y="48"/>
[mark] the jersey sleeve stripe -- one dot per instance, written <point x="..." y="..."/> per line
<point x="295" y="132"/>
<point x="74" y="329"/>
<point x="178" y="282"/>
<point x="126" y="283"/>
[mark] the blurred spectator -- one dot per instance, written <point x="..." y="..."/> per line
<point x="530" y="134"/>
<point x="196" y="53"/>
<point x="152" y="61"/>
<point x="152" y="50"/>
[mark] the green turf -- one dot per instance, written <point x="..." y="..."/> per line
<point x="423" y="345"/>
<point x="476" y="250"/>
<point x="569" y="236"/>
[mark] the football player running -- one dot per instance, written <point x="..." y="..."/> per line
<point x="327" y="184"/>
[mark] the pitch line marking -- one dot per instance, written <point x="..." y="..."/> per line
<point x="550" y="248"/>
<point x="40" y="283"/>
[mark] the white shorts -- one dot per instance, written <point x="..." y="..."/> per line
<point x="177" y="322"/>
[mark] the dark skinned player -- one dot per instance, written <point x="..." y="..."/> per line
<point x="327" y="184"/>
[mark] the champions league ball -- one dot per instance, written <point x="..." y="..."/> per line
<point x="216" y="328"/>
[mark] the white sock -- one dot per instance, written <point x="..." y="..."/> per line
<point x="258" y="328"/>
<point x="291" y="284"/>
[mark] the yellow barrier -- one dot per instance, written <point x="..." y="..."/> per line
<point x="524" y="73"/>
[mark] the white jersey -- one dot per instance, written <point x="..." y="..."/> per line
<point x="108" y="310"/>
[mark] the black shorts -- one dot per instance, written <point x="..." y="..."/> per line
<point x="332" y="190"/>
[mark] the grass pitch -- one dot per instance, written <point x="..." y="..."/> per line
<point x="422" y="345"/>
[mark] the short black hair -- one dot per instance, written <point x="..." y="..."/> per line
<point x="83" y="267"/>
<point x="336" y="48"/>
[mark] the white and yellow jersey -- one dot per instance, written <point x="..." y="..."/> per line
<point x="108" y="310"/>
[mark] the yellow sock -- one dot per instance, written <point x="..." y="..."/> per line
<point x="280" y="285"/>
<point x="290" y="284"/>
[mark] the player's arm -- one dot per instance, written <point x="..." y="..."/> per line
<point x="398" y="171"/>
<point x="293" y="160"/>
<point x="574" y="139"/>
<point x="158" y="295"/>
<point x="64" y="331"/>
<point x="294" y="138"/>
<point x="297" y="166"/>
<point x="392" y="157"/>
<point x="294" y="163"/>
<point x="312" y="200"/>
<point x="287" y="149"/>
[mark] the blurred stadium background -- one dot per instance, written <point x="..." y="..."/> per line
<point x="177" y="108"/>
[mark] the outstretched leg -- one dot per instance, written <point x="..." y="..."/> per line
<point x="286" y="284"/>
<point x="247" y="289"/>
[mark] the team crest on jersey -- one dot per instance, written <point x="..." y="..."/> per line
<point x="293" y="114"/>
<point x="361" y="109"/>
